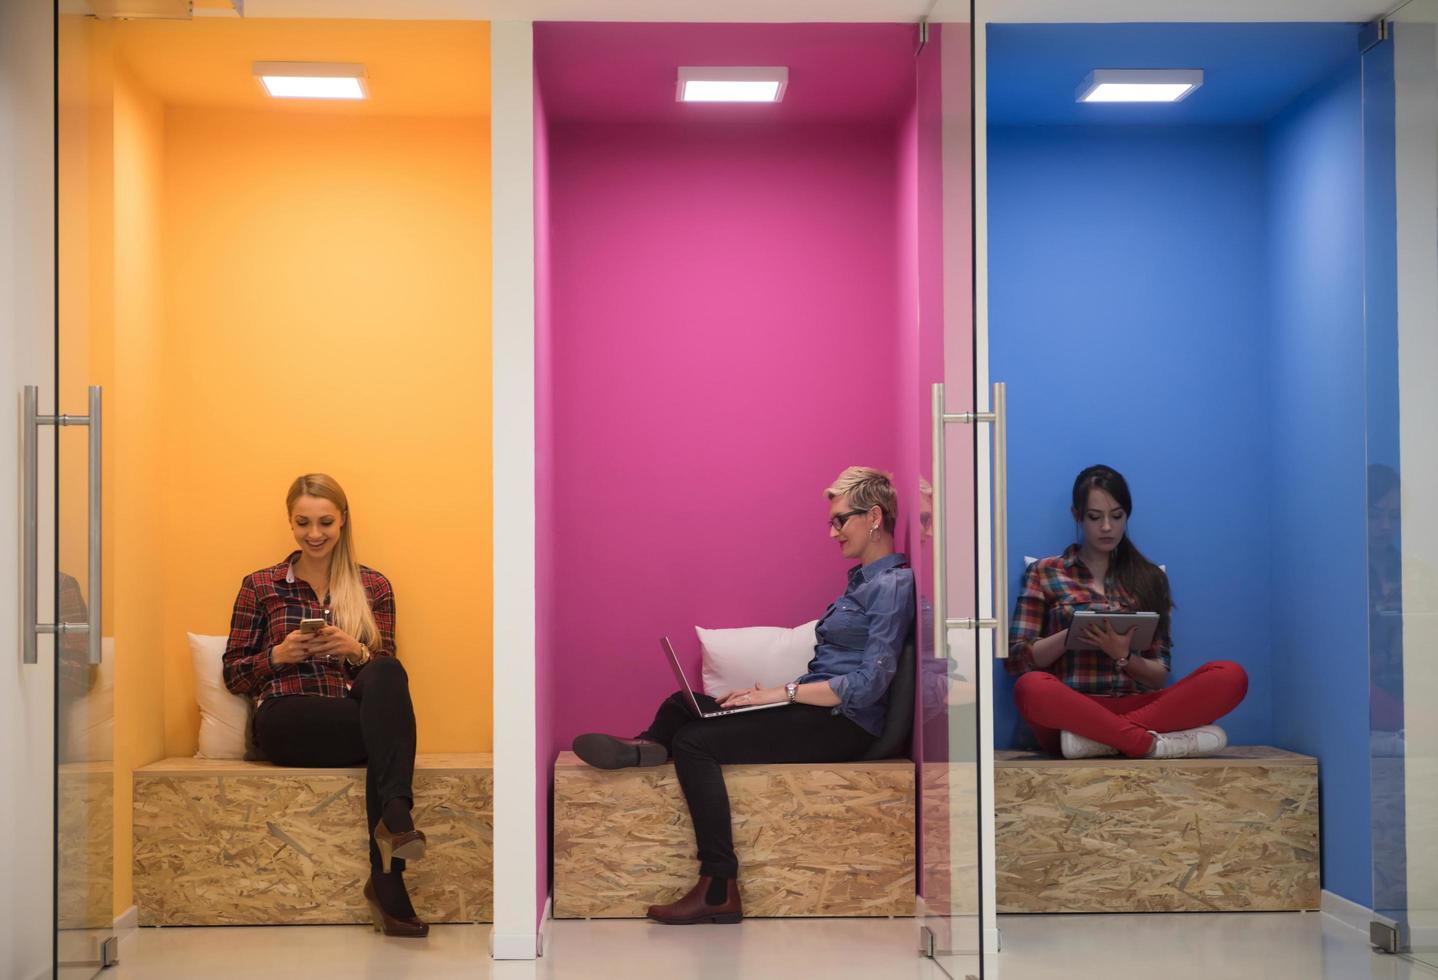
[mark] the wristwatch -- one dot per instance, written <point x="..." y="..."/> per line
<point x="792" y="689"/>
<point x="364" y="657"/>
<point x="1121" y="664"/>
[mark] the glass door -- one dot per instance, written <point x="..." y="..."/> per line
<point x="1400" y="105"/>
<point x="84" y="660"/>
<point x="958" y="430"/>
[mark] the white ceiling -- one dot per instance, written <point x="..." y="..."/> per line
<point x="837" y="11"/>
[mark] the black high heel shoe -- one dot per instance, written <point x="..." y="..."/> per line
<point x="392" y="925"/>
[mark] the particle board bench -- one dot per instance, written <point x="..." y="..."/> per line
<point x="821" y="839"/>
<point x="222" y="842"/>
<point x="1232" y="832"/>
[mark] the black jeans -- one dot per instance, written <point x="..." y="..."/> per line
<point x="797" y="733"/>
<point x="373" y="726"/>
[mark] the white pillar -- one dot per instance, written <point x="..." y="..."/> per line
<point x="517" y="820"/>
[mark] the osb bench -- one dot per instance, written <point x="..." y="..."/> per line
<point x="1236" y="832"/>
<point x="246" y="843"/>
<point x="831" y="839"/>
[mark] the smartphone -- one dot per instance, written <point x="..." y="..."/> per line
<point x="311" y="626"/>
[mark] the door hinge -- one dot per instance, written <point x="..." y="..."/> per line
<point x="1385" y="935"/>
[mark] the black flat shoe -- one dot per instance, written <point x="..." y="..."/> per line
<point x="612" y="752"/>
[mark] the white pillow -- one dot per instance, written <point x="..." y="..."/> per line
<point x="224" y="717"/>
<point x="768" y="655"/>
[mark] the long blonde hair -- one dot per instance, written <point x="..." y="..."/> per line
<point x="348" y="600"/>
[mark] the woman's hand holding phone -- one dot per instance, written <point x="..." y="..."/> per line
<point x="331" y="641"/>
<point x="295" y="648"/>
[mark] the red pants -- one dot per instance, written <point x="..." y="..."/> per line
<point x="1050" y="706"/>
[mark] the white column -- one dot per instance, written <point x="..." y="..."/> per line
<point x="516" y="819"/>
<point x="27" y="357"/>
<point x="988" y="856"/>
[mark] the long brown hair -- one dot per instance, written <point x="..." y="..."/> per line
<point x="1136" y="575"/>
<point x="348" y="600"/>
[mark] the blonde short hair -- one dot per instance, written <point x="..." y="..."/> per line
<point x="866" y="487"/>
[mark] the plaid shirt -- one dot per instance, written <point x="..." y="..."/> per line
<point x="1055" y="588"/>
<point x="269" y="607"/>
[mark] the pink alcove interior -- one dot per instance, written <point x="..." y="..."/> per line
<point x="727" y="315"/>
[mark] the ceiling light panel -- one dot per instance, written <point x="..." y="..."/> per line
<point x="1139" y="85"/>
<point x="701" y="84"/>
<point x="311" y="80"/>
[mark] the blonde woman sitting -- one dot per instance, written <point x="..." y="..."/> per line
<point x="834" y="713"/>
<point x="332" y="693"/>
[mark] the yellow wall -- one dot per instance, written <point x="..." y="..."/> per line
<point x="136" y="575"/>
<point x="327" y="286"/>
<point x="264" y="293"/>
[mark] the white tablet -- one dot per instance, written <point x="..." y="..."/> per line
<point x="1143" y="625"/>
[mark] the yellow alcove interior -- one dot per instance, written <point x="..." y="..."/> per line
<point x="275" y="288"/>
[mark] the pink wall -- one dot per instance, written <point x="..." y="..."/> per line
<point x="724" y="344"/>
<point x="544" y="666"/>
<point x="728" y="316"/>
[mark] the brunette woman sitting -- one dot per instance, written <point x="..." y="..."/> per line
<point x="1110" y="699"/>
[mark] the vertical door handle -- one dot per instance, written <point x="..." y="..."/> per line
<point x="30" y="527"/>
<point x="999" y="622"/>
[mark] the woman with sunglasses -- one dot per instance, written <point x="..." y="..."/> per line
<point x="834" y="713"/>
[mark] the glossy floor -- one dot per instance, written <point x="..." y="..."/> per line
<point x="1275" y="946"/>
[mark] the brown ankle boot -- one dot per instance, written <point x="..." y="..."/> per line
<point x="693" y="908"/>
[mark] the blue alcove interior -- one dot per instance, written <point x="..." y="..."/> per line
<point x="1177" y="291"/>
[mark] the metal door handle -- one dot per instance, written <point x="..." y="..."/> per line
<point x="1000" y="620"/>
<point x="30" y="527"/>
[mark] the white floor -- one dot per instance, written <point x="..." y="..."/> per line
<point x="1272" y="946"/>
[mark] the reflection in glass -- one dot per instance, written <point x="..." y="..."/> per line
<point x="1401" y="347"/>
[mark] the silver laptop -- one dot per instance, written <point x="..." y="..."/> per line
<point x="694" y="701"/>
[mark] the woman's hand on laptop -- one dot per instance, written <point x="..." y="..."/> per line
<point x="752" y="695"/>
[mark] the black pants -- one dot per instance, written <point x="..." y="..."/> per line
<point x="373" y="726"/>
<point x="796" y="733"/>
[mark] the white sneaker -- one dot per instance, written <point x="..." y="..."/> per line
<point x="1078" y="747"/>
<point x="1188" y="744"/>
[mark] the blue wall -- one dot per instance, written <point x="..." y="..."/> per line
<point x="1128" y="315"/>
<point x="1186" y="304"/>
<point x="1318" y="539"/>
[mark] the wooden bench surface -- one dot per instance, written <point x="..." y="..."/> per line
<point x="568" y="760"/>
<point x="813" y="839"/>
<point x="1234" y="755"/>
<point x="228" y="842"/>
<point x="1233" y="832"/>
<point x="437" y="762"/>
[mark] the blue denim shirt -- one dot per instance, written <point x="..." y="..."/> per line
<point x="860" y="639"/>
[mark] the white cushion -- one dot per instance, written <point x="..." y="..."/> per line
<point x="224" y="717"/>
<point x="767" y="655"/>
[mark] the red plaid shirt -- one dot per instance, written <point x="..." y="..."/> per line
<point x="1053" y="590"/>
<point x="269" y="607"/>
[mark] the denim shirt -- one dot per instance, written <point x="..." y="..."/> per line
<point x="860" y="639"/>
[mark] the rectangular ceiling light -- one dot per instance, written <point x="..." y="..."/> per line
<point x="311" y="80"/>
<point x="731" y="84"/>
<point x="1139" y="85"/>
